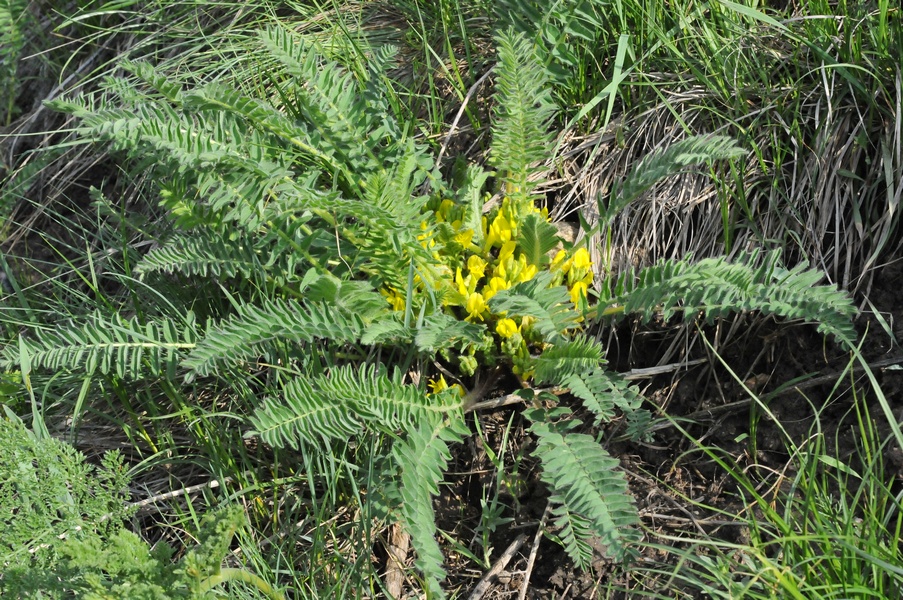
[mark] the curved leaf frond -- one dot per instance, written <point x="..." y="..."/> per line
<point x="551" y="307"/>
<point x="524" y="110"/>
<point x="303" y="414"/>
<point x="107" y="344"/>
<point x="589" y="492"/>
<point x="557" y="363"/>
<point x="255" y="327"/>
<point x="201" y="254"/>
<point x="716" y="288"/>
<point x="422" y="458"/>
<point x="668" y="161"/>
<point x="331" y="405"/>
<point x="602" y="392"/>
<point x="442" y="331"/>
<point x="536" y="237"/>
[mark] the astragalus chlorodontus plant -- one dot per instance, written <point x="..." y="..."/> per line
<point x="367" y="296"/>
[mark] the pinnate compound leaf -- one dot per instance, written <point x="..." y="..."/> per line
<point x="668" y="161"/>
<point x="422" y="458"/>
<point x="255" y="327"/>
<point x="536" y="237"/>
<point x="524" y="110"/>
<point x="303" y="414"/>
<point x="716" y="287"/>
<point x="109" y="344"/>
<point x="602" y="392"/>
<point x="202" y="254"/>
<point x="557" y="363"/>
<point x="389" y="330"/>
<point x="551" y="307"/>
<point x="441" y="331"/>
<point x="590" y="498"/>
<point x="342" y="402"/>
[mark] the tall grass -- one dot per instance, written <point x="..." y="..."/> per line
<point x="813" y="95"/>
<point x="828" y="524"/>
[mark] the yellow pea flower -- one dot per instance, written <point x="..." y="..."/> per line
<point x="499" y="231"/>
<point x="459" y="281"/>
<point x="581" y="259"/>
<point x="476" y="266"/>
<point x="396" y="300"/>
<point x="527" y="272"/>
<point x="445" y="209"/>
<point x="495" y="285"/>
<point x="437" y="385"/>
<point x="464" y="237"/>
<point x="577" y="291"/>
<point x="506" y="328"/>
<point x="440" y="385"/>
<point x="507" y="251"/>
<point x="501" y="270"/>
<point x="475" y="306"/>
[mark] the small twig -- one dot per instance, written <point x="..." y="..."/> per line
<point x="483" y="383"/>
<point x="496" y="402"/>
<point x="176" y="493"/>
<point x="397" y="547"/>
<point x="533" y="551"/>
<point x="458" y="116"/>
<point x="483" y="585"/>
<point x="696" y="522"/>
<point x="648" y="372"/>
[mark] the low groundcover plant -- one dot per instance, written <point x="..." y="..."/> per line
<point x="63" y="534"/>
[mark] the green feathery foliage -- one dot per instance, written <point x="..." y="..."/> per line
<point x="63" y="535"/>
<point x="716" y="287"/>
<point x="537" y="237"/>
<point x="557" y="28"/>
<point x="206" y="255"/>
<point x="422" y="458"/>
<point x="524" y="108"/>
<point x="573" y="357"/>
<point x="668" y="161"/>
<point x="336" y="405"/>
<point x="106" y="344"/>
<point x="590" y="499"/>
<point x="605" y="393"/>
<point x="578" y="366"/>
<point x="14" y="16"/>
<point x="254" y="328"/>
<point x="349" y="401"/>
<point x="550" y="306"/>
<point x="49" y="494"/>
<point x="122" y="566"/>
<point x="440" y="331"/>
<point x="342" y="122"/>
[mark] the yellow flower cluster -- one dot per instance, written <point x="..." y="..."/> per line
<point x="478" y="271"/>
<point x="480" y="280"/>
<point x="577" y="273"/>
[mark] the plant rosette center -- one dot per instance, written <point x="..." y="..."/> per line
<point x="477" y="265"/>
